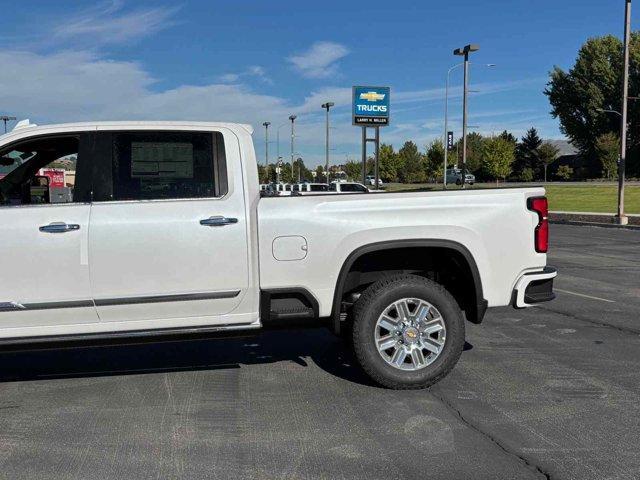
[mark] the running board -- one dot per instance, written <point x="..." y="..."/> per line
<point x="128" y="334"/>
<point x="290" y="313"/>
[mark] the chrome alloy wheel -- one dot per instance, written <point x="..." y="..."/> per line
<point x="410" y="334"/>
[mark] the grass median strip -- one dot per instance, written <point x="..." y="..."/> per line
<point x="591" y="198"/>
<point x="562" y="197"/>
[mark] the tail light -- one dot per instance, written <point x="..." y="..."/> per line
<point x="541" y="234"/>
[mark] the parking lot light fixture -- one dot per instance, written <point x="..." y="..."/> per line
<point x="266" y="142"/>
<point x="446" y="117"/>
<point x="278" y="137"/>
<point x="293" y="135"/>
<point x="464" y="52"/>
<point x="621" y="218"/>
<point x="5" y="119"/>
<point x="327" y="106"/>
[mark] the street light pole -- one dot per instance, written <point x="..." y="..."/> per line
<point x="266" y="148"/>
<point x="446" y="119"/>
<point x="293" y="119"/>
<point x="327" y="106"/>
<point x="278" y="137"/>
<point x="446" y="122"/>
<point x="465" y="53"/>
<point x="621" y="218"/>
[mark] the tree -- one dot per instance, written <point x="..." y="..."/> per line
<point x="608" y="150"/>
<point x="474" y="152"/>
<point x="594" y="83"/>
<point x="285" y="173"/>
<point x="262" y="174"/>
<point x="388" y="163"/>
<point x="412" y="165"/>
<point x="509" y="137"/>
<point x="320" y="175"/>
<point x="497" y="157"/>
<point x="547" y="154"/>
<point x="564" y="172"/>
<point x="527" y="152"/>
<point x="353" y="170"/>
<point x="300" y="171"/>
<point x="526" y="175"/>
<point x="435" y="159"/>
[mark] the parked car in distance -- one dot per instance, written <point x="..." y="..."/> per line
<point x="454" y="175"/>
<point x="348" y="187"/>
<point x="371" y="181"/>
<point x="310" y="187"/>
<point x="167" y="232"/>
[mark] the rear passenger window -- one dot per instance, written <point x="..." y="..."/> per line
<point x="167" y="165"/>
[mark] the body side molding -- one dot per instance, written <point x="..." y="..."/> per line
<point x="106" y="302"/>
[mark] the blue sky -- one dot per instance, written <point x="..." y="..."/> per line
<point x="261" y="61"/>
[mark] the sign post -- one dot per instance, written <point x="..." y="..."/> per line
<point x="447" y="149"/>
<point x="371" y="109"/>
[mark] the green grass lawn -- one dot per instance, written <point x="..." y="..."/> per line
<point x="568" y="198"/>
<point x="592" y="198"/>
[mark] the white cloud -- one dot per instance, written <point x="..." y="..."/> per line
<point x="255" y="71"/>
<point x="106" y="23"/>
<point x="319" y="61"/>
<point x="81" y="86"/>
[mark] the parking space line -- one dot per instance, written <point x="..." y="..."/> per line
<point x="583" y="295"/>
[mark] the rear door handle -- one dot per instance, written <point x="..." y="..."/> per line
<point x="59" y="227"/>
<point x="218" y="221"/>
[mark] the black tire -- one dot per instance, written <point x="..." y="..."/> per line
<point x="458" y="182"/>
<point x="370" y="306"/>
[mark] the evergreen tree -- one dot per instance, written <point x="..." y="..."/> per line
<point x="413" y="168"/>
<point x="509" y="137"/>
<point x="527" y="152"/>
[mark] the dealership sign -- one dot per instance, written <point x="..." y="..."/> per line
<point x="371" y="106"/>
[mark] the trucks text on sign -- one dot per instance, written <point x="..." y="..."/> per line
<point x="371" y="106"/>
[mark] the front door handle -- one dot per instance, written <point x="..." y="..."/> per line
<point x="59" y="227"/>
<point x="218" y="221"/>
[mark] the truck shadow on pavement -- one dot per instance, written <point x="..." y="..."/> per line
<point x="134" y="357"/>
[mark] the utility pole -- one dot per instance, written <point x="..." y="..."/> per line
<point x="266" y="149"/>
<point x="465" y="53"/>
<point x="293" y="119"/>
<point x="621" y="218"/>
<point x="6" y="119"/>
<point x="327" y="106"/>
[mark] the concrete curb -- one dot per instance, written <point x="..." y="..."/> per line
<point x="589" y="219"/>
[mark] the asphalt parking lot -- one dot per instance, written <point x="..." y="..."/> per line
<point x="551" y="392"/>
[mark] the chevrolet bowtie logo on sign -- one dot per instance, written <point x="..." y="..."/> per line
<point x="372" y="96"/>
<point x="371" y="106"/>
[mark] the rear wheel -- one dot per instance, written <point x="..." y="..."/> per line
<point x="408" y="332"/>
<point x="458" y="182"/>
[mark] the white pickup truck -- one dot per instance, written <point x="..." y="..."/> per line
<point x="167" y="232"/>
